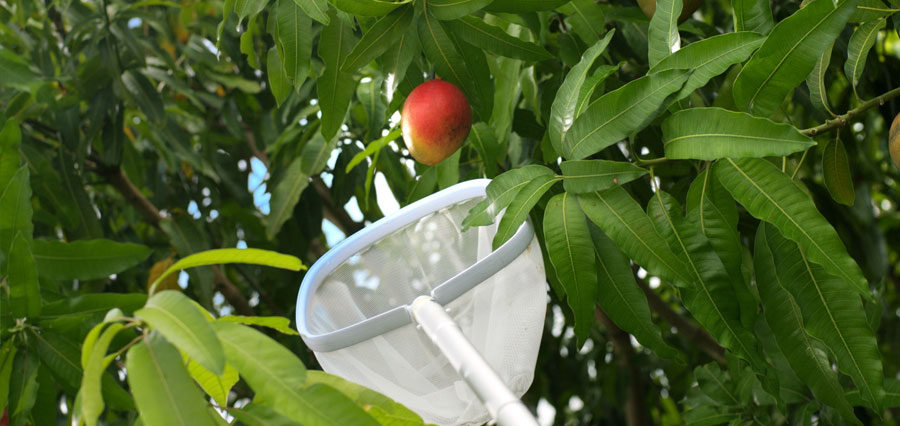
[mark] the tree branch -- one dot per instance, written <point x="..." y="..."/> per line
<point x="690" y="331"/>
<point x="842" y="120"/>
<point x="636" y="413"/>
<point x="335" y="214"/>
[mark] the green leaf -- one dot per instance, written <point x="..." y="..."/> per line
<point x="832" y="313"/>
<point x="815" y="81"/>
<point x="712" y="133"/>
<point x="61" y="356"/>
<point x="179" y="320"/>
<point x="280" y="324"/>
<point x="491" y="151"/>
<point x="709" y="57"/>
<point x="144" y="95"/>
<point x="861" y="43"/>
<point x="586" y="18"/>
<point x="15" y="212"/>
<point x="86" y="260"/>
<point x="451" y="64"/>
<point x="663" y="32"/>
<point x="216" y="386"/>
<point x="254" y="414"/>
<point x="279" y="83"/>
<point x="285" y="196"/>
<point x="93" y="305"/>
<point x="788" y="55"/>
<point x="804" y="353"/>
<point x="581" y="176"/>
<point x="423" y="186"/>
<point x="162" y="388"/>
<point x="711" y="300"/>
<point x="91" y="396"/>
<point x="494" y="39"/>
<point x="225" y="256"/>
<point x="565" y="104"/>
<point x="24" y="289"/>
<point x="316" y="9"/>
<point x="455" y="9"/>
<point x="622" y="300"/>
<point x="501" y="192"/>
<point x="386" y="32"/>
<point x="325" y="405"/>
<point x="770" y="195"/>
<point x="245" y="8"/>
<point x="334" y="87"/>
<point x="368" y="7"/>
<point x="521" y="205"/>
<point x="753" y="15"/>
<point x="571" y="251"/>
<point x="396" y="60"/>
<point x="836" y="170"/>
<point x="448" y="171"/>
<point x="619" y="113"/>
<point x="372" y="148"/>
<point x="22" y="386"/>
<point x="522" y="6"/>
<point x="7" y="356"/>
<point x="384" y="409"/>
<point x="16" y="72"/>
<point x="624" y="221"/>
<point x="294" y="39"/>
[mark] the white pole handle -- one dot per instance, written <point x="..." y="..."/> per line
<point x="465" y="359"/>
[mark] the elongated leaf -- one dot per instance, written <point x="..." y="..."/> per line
<point x="803" y="352"/>
<point x="818" y="94"/>
<point x="710" y="207"/>
<point x="788" y="55"/>
<point x="279" y="83"/>
<point x="86" y="260"/>
<point x="624" y="221"/>
<point x="22" y="387"/>
<point x="280" y="324"/>
<point x="858" y="50"/>
<point x="622" y="300"/>
<point x="709" y="57"/>
<point x="22" y="278"/>
<point x="450" y="63"/>
<point x="521" y="6"/>
<point x="254" y="414"/>
<point x="571" y="251"/>
<point x="663" y="31"/>
<point x="396" y="60"/>
<point x="712" y="133"/>
<point x="836" y="170"/>
<point x="335" y="87"/>
<point x="491" y="151"/>
<point x="91" y="396"/>
<point x="285" y="196"/>
<point x="565" y="105"/>
<point x="455" y="9"/>
<point x="316" y="9"/>
<point x="245" y="8"/>
<point x="834" y="314"/>
<point x="15" y="212"/>
<point x="493" y="39"/>
<point x="224" y="256"/>
<point x="92" y="305"/>
<point x="382" y="408"/>
<point x="16" y="71"/>
<point x="367" y="7"/>
<point x="521" y="205"/>
<point x="162" y="388"/>
<point x="711" y="300"/>
<point x="7" y="356"/>
<point x="143" y="94"/>
<point x="586" y="18"/>
<point x="372" y="148"/>
<point x="752" y="15"/>
<point x="770" y="195"/>
<point x="378" y="39"/>
<point x="216" y="386"/>
<point x="619" y="113"/>
<point x="294" y="39"/>
<point x="581" y="176"/>
<point x="178" y="319"/>
<point x="501" y="192"/>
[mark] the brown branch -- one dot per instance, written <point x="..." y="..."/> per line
<point x="231" y="293"/>
<point x="636" y="413"/>
<point x="251" y="142"/>
<point x="842" y="120"/>
<point x="335" y="214"/>
<point x="690" y="331"/>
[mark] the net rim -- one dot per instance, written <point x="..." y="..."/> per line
<point x="399" y="316"/>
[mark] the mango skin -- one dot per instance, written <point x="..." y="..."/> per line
<point x="894" y="140"/>
<point x="435" y="121"/>
<point x="688" y="9"/>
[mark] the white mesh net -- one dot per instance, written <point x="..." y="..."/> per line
<point x="503" y="316"/>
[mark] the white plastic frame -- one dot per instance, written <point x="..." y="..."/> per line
<point x="399" y="316"/>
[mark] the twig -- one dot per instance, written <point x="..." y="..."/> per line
<point x="690" y="331"/>
<point x="842" y="120"/>
<point x="636" y="413"/>
<point x="335" y="214"/>
<point x="650" y="161"/>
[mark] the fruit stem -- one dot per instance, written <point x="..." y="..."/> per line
<point x="842" y="120"/>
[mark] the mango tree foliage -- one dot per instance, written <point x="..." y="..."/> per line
<point x="720" y="189"/>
